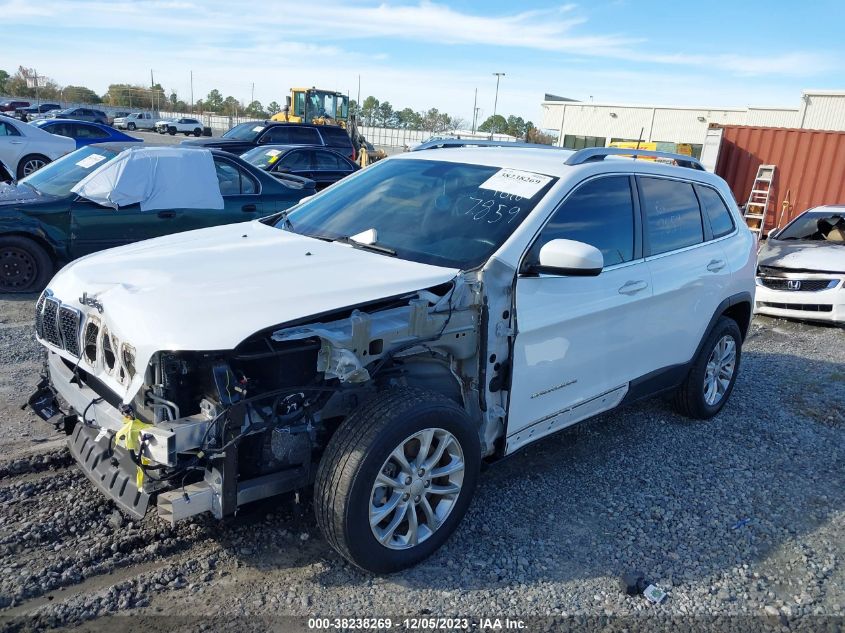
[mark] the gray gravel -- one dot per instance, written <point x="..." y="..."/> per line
<point x="742" y="517"/>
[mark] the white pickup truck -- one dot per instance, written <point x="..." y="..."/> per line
<point x="137" y="121"/>
<point x="185" y="125"/>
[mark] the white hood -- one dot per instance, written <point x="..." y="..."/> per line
<point x="212" y="288"/>
<point x="820" y="256"/>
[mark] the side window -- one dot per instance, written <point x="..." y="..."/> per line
<point x="296" y="161"/>
<point x="601" y="213"/>
<point x="233" y="181"/>
<point x="63" y="129"/>
<point x="304" y="136"/>
<point x="89" y="131"/>
<point x="279" y="134"/>
<point x="671" y="214"/>
<point x="7" y="129"/>
<point x="721" y="222"/>
<point x="329" y="161"/>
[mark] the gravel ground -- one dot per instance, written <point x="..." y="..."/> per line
<point x="741" y="518"/>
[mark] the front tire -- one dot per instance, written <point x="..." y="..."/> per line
<point x="396" y="479"/>
<point x="131" y="127"/>
<point x="712" y="376"/>
<point x="24" y="265"/>
<point x="171" y="130"/>
<point x="197" y="132"/>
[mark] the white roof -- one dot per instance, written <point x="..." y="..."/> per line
<point x="155" y="177"/>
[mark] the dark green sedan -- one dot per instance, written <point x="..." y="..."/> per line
<point x="44" y="225"/>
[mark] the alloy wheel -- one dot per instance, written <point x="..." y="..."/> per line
<point x="416" y="488"/>
<point x="32" y="165"/>
<point x="720" y="370"/>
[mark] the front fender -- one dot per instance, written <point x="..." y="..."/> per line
<point x="55" y="238"/>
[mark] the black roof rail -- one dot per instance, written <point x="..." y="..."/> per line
<point x="476" y="142"/>
<point x="592" y="154"/>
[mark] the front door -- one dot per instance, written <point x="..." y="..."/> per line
<point x="95" y="227"/>
<point x="580" y="340"/>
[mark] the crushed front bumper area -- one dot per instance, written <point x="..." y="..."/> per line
<point x="110" y="468"/>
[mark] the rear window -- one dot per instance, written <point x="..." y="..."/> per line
<point x="672" y="215"/>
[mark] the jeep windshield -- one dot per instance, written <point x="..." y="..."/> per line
<point x="57" y="178"/>
<point x="244" y="131"/>
<point x="432" y="212"/>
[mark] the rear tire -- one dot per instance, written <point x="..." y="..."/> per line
<point x="384" y="516"/>
<point x="24" y="265"/>
<point x="171" y="130"/>
<point x="30" y="164"/>
<point x="712" y="376"/>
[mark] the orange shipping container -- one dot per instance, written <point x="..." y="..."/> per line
<point x="809" y="164"/>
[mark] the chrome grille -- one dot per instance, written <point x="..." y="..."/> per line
<point x="69" y="319"/>
<point x="50" y="325"/>
<point x="39" y="316"/>
<point x="795" y="285"/>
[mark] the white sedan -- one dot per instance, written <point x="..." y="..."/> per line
<point x="801" y="272"/>
<point x="24" y="148"/>
<point x="185" y="125"/>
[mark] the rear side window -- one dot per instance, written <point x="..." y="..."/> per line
<point x="90" y="131"/>
<point x="600" y="213"/>
<point x="721" y="222"/>
<point x="304" y="136"/>
<point x="7" y="129"/>
<point x="330" y="161"/>
<point x="671" y="213"/>
<point x="336" y="137"/>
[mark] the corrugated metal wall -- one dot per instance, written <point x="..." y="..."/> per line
<point x="810" y="167"/>
<point x="823" y="112"/>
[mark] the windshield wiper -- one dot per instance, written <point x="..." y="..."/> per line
<point x="376" y="248"/>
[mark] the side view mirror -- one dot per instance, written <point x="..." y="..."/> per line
<point x="568" y="257"/>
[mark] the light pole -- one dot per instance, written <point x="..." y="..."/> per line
<point x="496" y="100"/>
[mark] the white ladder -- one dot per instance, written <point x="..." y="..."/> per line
<point x="757" y="206"/>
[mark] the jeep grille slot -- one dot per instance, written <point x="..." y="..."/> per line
<point x="39" y="315"/>
<point x="50" y="323"/>
<point x="92" y="330"/>
<point x="69" y="319"/>
<point x="108" y="353"/>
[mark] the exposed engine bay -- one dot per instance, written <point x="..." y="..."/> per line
<point x="210" y="431"/>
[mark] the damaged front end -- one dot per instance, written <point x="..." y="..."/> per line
<point x="212" y="430"/>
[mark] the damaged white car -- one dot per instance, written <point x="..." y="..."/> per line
<point x="384" y="338"/>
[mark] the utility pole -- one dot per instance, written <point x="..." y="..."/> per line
<point x="358" y="107"/>
<point x="152" y="90"/>
<point x="496" y="100"/>
<point x="252" y="94"/>
<point x="474" y="109"/>
<point x="192" y="92"/>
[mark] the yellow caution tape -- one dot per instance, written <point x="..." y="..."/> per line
<point x="129" y="437"/>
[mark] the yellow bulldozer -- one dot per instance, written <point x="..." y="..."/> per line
<point x="327" y="107"/>
<point x="312" y="105"/>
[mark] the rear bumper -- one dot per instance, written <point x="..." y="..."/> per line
<point x="823" y="305"/>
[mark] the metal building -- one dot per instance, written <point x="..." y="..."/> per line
<point x="581" y="124"/>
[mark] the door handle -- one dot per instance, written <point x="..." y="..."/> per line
<point x="633" y="287"/>
<point x="249" y="208"/>
<point x="716" y="265"/>
<point x="16" y="142"/>
<point x="167" y="214"/>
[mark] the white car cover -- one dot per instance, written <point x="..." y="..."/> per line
<point x="155" y="177"/>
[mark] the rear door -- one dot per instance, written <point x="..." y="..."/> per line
<point x="329" y="168"/>
<point x="12" y="144"/>
<point x="580" y="340"/>
<point x="688" y="267"/>
<point x="241" y="200"/>
<point x="299" y="162"/>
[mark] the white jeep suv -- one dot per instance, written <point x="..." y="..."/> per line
<point x="384" y="337"/>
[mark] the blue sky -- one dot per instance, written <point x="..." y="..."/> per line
<point x="434" y="54"/>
